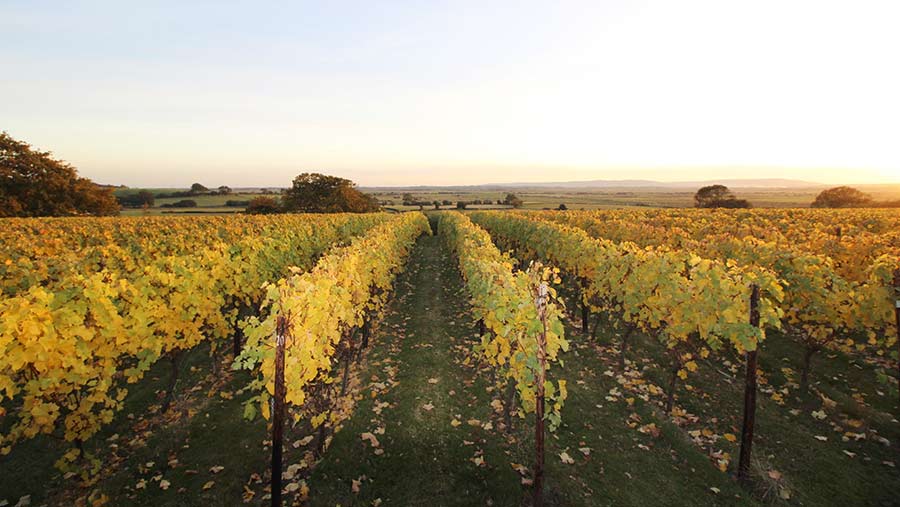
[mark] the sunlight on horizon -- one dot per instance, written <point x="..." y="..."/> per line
<point x="457" y="92"/>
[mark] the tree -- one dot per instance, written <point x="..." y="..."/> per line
<point x="718" y="196"/>
<point x="562" y="207"/>
<point x="319" y="193"/>
<point x="842" y="197"/>
<point x="707" y="197"/>
<point x="437" y="204"/>
<point x="460" y="205"/>
<point x="197" y="188"/>
<point x="262" y="206"/>
<point x="224" y="190"/>
<point x="34" y="184"/>
<point x="733" y="203"/>
<point x="137" y="200"/>
<point x="184" y="203"/>
<point x="513" y="200"/>
<point x="409" y="200"/>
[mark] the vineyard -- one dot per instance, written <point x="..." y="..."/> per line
<point x="616" y="357"/>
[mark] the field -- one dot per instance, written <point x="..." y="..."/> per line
<point x="411" y="359"/>
<point x="535" y="198"/>
<point x="574" y="197"/>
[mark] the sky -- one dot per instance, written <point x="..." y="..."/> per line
<point x="455" y="92"/>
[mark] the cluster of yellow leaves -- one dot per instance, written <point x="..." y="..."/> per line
<point x="852" y="238"/>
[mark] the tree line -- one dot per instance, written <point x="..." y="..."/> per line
<point x="33" y="183"/>
<point x="719" y="196"/>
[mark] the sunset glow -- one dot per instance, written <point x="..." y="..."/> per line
<point x="456" y="92"/>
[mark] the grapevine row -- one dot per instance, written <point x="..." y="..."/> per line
<point x="822" y="309"/>
<point x="522" y="320"/>
<point x="322" y="307"/>
<point x="68" y="349"/>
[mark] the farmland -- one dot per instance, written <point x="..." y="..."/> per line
<point x="534" y="198"/>
<point x="398" y="359"/>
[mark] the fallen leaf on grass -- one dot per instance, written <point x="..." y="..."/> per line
<point x="730" y="437"/>
<point x="821" y="438"/>
<point x="371" y="438"/>
<point x="303" y="441"/>
<point x="564" y="456"/>
<point x="428" y="406"/>
<point x="164" y="484"/>
<point x="455" y="423"/>
<point x="291" y="471"/>
<point x="522" y="469"/>
<point x="208" y="485"/>
<point x="216" y="469"/>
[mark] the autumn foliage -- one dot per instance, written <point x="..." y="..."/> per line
<point x="319" y="193"/>
<point x="34" y="184"/>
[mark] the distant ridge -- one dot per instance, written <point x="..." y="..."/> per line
<point x="737" y="183"/>
<point x="671" y="185"/>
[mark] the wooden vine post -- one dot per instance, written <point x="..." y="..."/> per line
<point x="897" y="320"/>
<point x="749" y="393"/>
<point x="539" y="379"/>
<point x="585" y="309"/>
<point x="281" y="333"/>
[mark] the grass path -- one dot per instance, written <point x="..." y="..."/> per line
<point x="418" y="391"/>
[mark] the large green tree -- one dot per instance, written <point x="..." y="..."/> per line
<point x="34" y="184"/>
<point x="319" y="193"/>
<point x="842" y="197"/>
<point x="718" y="196"/>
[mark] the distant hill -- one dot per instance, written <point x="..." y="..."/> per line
<point x="774" y="183"/>
<point x="736" y="183"/>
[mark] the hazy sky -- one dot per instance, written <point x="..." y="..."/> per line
<point x="454" y="92"/>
